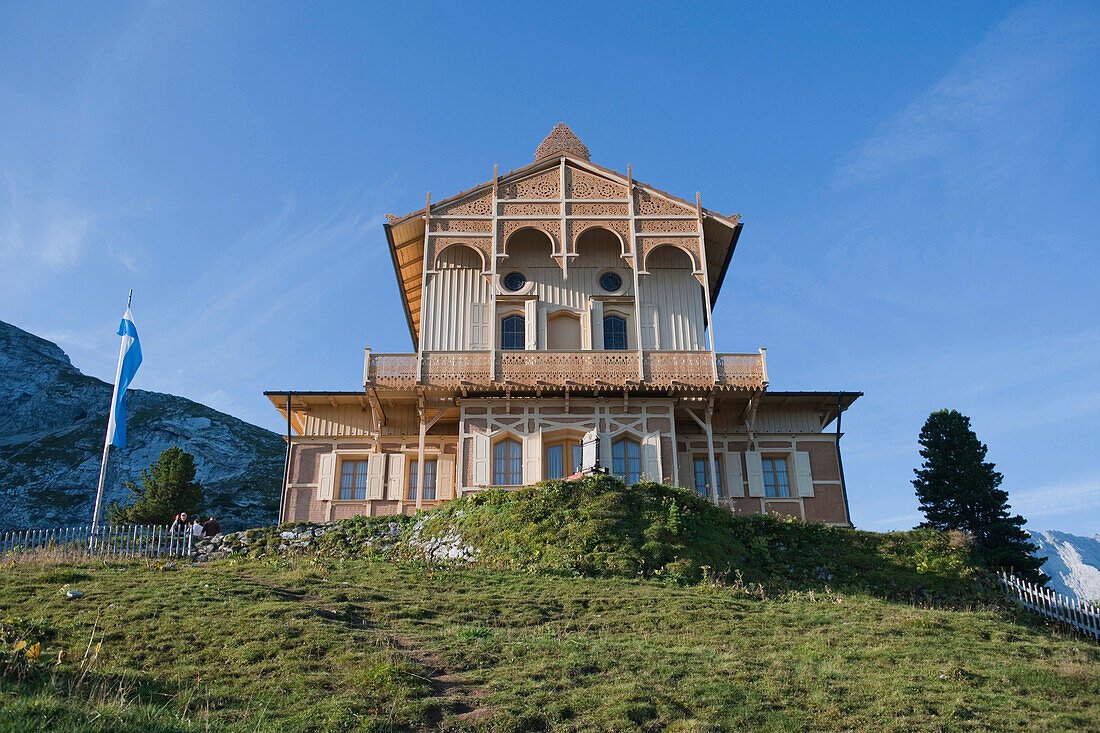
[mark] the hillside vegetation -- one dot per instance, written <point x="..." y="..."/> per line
<point x="589" y="607"/>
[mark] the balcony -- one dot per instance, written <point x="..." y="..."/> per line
<point x="532" y="370"/>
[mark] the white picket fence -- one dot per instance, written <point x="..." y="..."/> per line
<point x="1084" y="617"/>
<point x="121" y="540"/>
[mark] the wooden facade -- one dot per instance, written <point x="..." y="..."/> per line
<point x="555" y="300"/>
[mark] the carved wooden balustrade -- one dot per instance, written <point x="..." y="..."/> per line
<point x="582" y="369"/>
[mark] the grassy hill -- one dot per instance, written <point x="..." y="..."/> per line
<point x="596" y="615"/>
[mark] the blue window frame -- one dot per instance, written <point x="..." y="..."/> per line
<point x="353" y="481"/>
<point x="507" y="463"/>
<point x="429" y="479"/>
<point x="513" y="333"/>
<point x="626" y="460"/>
<point x="614" y="333"/>
<point x="776" y="482"/>
<point x="702" y="476"/>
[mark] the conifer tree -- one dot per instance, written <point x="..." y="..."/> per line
<point x="959" y="489"/>
<point x="168" y="487"/>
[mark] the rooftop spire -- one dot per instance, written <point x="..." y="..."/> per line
<point x="561" y="140"/>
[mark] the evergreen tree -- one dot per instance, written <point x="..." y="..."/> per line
<point x="168" y="487"/>
<point x="959" y="489"/>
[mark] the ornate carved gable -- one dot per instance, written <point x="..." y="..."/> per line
<point x="561" y="140"/>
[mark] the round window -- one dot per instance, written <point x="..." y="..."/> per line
<point x="610" y="281"/>
<point x="514" y="281"/>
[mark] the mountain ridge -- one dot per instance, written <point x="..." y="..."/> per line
<point x="1072" y="562"/>
<point x="52" y="443"/>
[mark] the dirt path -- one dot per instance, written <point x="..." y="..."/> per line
<point x="448" y="687"/>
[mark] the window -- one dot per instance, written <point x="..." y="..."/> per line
<point x="507" y="463"/>
<point x="514" y="281"/>
<point x="702" y="476"/>
<point x="513" y="333"/>
<point x="626" y="460"/>
<point x="611" y="282"/>
<point x="776" y="483"/>
<point x="563" y="459"/>
<point x="429" y="480"/>
<point x="353" y="480"/>
<point x="614" y="332"/>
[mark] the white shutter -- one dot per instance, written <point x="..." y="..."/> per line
<point x="687" y="471"/>
<point x="482" y="475"/>
<point x="651" y="456"/>
<point x="586" y="330"/>
<point x="649" y="326"/>
<point x="396" y="488"/>
<point x="605" y="451"/>
<point x="445" y="477"/>
<point x="542" y="334"/>
<point x="376" y="476"/>
<point x="755" y="469"/>
<point x="532" y="459"/>
<point x="479" y="326"/>
<point x="803" y="481"/>
<point x="530" y="323"/>
<point x="326" y="477"/>
<point x="596" y="319"/>
<point x="733" y="485"/>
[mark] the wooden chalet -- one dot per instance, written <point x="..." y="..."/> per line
<point x="560" y="300"/>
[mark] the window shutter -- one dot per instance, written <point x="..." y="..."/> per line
<point x="649" y="327"/>
<point x="376" y="476"/>
<point x="531" y="325"/>
<point x="445" y="477"/>
<point x="755" y="468"/>
<point x="479" y="326"/>
<point x="651" y="456"/>
<point x="327" y="477"/>
<point x="687" y="470"/>
<point x="803" y="482"/>
<point x="481" y="460"/>
<point x="596" y="309"/>
<point x="733" y="484"/>
<point x="605" y="451"/>
<point x="532" y="463"/>
<point x="396" y="489"/>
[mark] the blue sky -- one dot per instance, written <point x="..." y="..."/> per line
<point x="919" y="184"/>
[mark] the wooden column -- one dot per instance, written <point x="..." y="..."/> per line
<point x="493" y="284"/>
<point x="637" y="279"/>
<point x="423" y="288"/>
<point x="564" y="223"/>
<point x="420" y="456"/>
<point x="706" y="285"/>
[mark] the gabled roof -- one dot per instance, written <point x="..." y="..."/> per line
<point x="405" y="234"/>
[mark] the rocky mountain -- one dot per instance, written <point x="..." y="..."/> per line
<point x="51" y="441"/>
<point x="1072" y="562"/>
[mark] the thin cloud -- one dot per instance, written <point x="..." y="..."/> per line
<point x="987" y="99"/>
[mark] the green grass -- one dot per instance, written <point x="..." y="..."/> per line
<point x="330" y="644"/>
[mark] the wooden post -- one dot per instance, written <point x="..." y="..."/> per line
<point x="564" y="223"/>
<point x="493" y="283"/>
<point x="423" y="289"/>
<point x="706" y="284"/>
<point x="637" y="279"/>
<point x="420" y="458"/>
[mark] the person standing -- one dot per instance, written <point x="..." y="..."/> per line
<point x="180" y="523"/>
<point x="211" y="528"/>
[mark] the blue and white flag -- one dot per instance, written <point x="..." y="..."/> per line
<point x="129" y="359"/>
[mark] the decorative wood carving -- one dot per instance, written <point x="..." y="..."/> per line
<point x="582" y="185"/>
<point x="647" y="204"/>
<point x="543" y="185"/>
<point x="482" y="205"/>
<point x="483" y="226"/>
<point x="690" y="245"/>
<point x="684" y="226"/>
<point x="483" y="245"/>
<point x="513" y="209"/>
<point x="561" y="140"/>
<point x="599" y="208"/>
<point x="551" y="228"/>
<point x="619" y="226"/>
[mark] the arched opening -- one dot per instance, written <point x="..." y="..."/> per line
<point x="600" y="245"/>
<point x="529" y="247"/>
<point x="672" y="317"/>
<point x="457" y="309"/>
<point x="507" y="462"/>
<point x="563" y="331"/>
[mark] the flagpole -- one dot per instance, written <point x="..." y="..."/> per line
<point x="110" y="423"/>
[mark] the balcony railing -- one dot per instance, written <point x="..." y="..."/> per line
<point x="550" y="369"/>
